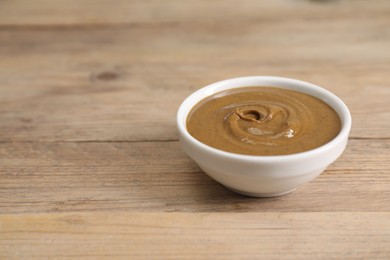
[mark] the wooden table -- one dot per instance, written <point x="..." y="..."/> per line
<point x="90" y="164"/>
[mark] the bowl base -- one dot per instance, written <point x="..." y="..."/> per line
<point x="261" y="195"/>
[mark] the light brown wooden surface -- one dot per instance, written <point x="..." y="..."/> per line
<point x="159" y="177"/>
<point x="90" y="165"/>
<point x="201" y="235"/>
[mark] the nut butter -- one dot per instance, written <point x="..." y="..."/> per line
<point x="263" y="121"/>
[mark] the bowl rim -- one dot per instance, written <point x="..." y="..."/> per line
<point x="345" y="117"/>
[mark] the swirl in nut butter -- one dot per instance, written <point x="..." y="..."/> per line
<point x="263" y="121"/>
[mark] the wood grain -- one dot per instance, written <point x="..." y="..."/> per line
<point x="105" y="13"/>
<point x="90" y="165"/>
<point x="159" y="177"/>
<point x="201" y="236"/>
<point x="126" y="83"/>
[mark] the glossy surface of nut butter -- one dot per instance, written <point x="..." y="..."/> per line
<point x="263" y="121"/>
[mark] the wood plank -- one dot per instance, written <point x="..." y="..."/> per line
<point x="122" y="85"/>
<point x="201" y="235"/>
<point x="158" y="176"/>
<point x="102" y="12"/>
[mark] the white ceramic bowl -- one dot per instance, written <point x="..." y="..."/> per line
<point x="263" y="176"/>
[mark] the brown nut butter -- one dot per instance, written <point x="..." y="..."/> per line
<point x="263" y="121"/>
